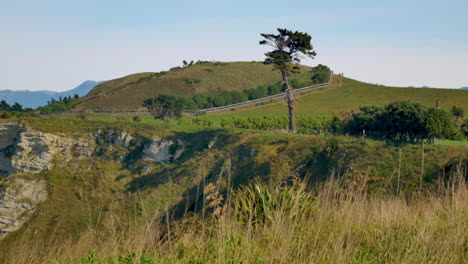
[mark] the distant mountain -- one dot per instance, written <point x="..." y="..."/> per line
<point x="419" y="87"/>
<point x="464" y="88"/>
<point x="35" y="99"/>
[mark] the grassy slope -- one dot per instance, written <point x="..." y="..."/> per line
<point x="354" y="94"/>
<point x="96" y="192"/>
<point x="129" y="92"/>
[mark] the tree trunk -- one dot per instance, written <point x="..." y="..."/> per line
<point x="290" y="101"/>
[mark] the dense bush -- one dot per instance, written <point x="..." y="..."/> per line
<point x="164" y="107"/>
<point x="136" y="119"/>
<point x="321" y="77"/>
<point x="5" y="115"/>
<point x="299" y="83"/>
<point x="321" y="74"/>
<point x="276" y="88"/>
<point x="402" y="120"/>
<point x="457" y="112"/>
<point x="439" y="124"/>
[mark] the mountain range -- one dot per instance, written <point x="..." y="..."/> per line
<point x="35" y="99"/>
<point x="464" y="88"/>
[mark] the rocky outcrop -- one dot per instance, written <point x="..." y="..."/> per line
<point x="212" y="142"/>
<point x="19" y="199"/>
<point x="25" y="150"/>
<point x="163" y="151"/>
<point x="8" y="137"/>
<point x="116" y="137"/>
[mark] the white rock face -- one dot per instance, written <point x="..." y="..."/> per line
<point x="18" y="201"/>
<point x="24" y="150"/>
<point x="8" y="134"/>
<point x="159" y="151"/>
<point x="180" y="150"/>
<point x="212" y="142"/>
<point x="120" y="138"/>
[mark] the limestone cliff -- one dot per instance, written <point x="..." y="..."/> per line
<point x="163" y="151"/>
<point x="24" y="150"/>
<point x="19" y="199"/>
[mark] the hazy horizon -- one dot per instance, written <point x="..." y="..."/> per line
<point x="57" y="45"/>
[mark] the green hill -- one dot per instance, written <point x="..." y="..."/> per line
<point x="352" y="94"/>
<point x="212" y="78"/>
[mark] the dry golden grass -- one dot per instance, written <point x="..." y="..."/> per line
<point x="279" y="225"/>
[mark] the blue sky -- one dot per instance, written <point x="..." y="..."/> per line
<point x="57" y="44"/>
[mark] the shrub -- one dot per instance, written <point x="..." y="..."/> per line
<point x="164" y="107"/>
<point x="201" y="101"/>
<point x="136" y="119"/>
<point x="274" y="89"/>
<point x="184" y="121"/>
<point x="192" y="81"/>
<point x="5" y="115"/>
<point x="439" y="123"/>
<point x="331" y="145"/>
<point x="457" y="112"/>
<point x="82" y="117"/>
<point x="321" y="77"/>
<point x="321" y="74"/>
<point x="238" y="97"/>
<point x="299" y="83"/>
<point x="202" y="122"/>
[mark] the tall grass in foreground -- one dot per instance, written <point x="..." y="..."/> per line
<point x="257" y="224"/>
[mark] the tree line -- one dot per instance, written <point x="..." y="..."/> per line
<point x="16" y="107"/>
<point x="61" y="104"/>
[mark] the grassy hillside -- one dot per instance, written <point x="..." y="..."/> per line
<point x="353" y="94"/>
<point x="113" y="209"/>
<point x="129" y="92"/>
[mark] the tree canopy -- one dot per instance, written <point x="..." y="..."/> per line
<point x="289" y="47"/>
<point x="164" y="107"/>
